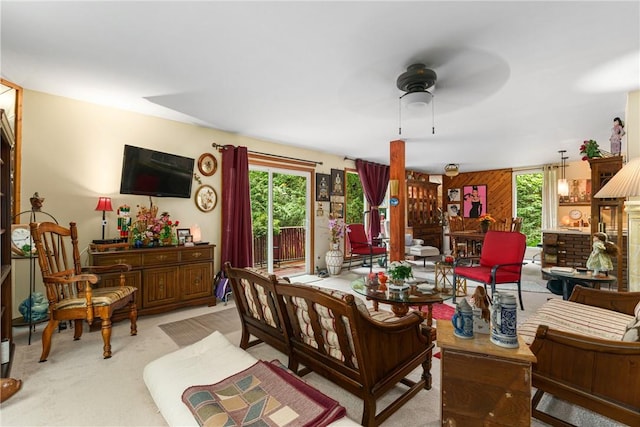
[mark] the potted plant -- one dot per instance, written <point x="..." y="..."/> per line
<point x="485" y="222"/>
<point x="399" y="272"/>
<point x="590" y="149"/>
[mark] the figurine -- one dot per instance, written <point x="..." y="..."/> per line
<point x="617" y="132"/>
<point x="36" y="202"/>
<point x="600" y="258"/>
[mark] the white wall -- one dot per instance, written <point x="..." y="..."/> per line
<point x="72" y="154"/>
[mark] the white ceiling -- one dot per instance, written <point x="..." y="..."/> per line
<point x="517" y="81"/>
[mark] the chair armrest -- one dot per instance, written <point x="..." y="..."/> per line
<point x="496" y="267"/>
<point x="91" y="278"/>
<point x="103" y="269"/>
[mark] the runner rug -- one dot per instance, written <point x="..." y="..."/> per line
<point x="264" y="394"/>
<point x="188" y="331"/>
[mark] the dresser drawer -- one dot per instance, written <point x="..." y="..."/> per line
<point x="197" y="254"/>
<point x="132" y="259"/>
<point x="160" y="257"/>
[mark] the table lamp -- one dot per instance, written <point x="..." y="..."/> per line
<point x="104" y="204"/>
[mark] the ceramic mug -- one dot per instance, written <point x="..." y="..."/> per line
<point x="463" y="324"/>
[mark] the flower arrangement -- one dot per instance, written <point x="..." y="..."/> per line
<point x="336" y="230"/>
<point x="149" y="229"/>
<point x="590" y="149"/>
<point x="399" y="270"/>
<point x="486" y="218"/>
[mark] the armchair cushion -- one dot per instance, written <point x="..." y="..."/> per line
<point x="101" y="296"/>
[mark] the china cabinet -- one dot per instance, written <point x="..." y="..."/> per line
<point x="422" y="214"/>
<point x="6" y="207"/>
<point x="608" y="215"/>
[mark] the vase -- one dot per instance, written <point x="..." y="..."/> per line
<point x="334" y="259"/>
<point x="484" y="226"/>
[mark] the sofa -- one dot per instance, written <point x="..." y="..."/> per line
<point x="588" y="353"/>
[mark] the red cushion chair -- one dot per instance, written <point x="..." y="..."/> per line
<point x="360" y="244"/>
<point x="500" y="262"/>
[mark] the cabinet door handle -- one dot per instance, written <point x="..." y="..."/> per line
<point x="161" y="257"/>
<point x="196" y="254"/>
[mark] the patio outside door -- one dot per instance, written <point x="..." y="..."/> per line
<point x="280" y="219"/>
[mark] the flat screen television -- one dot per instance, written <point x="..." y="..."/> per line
<point x="154" y="173"/>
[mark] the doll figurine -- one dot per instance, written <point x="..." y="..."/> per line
<point x="600" y="258"/>
<point x="617" y="132"/>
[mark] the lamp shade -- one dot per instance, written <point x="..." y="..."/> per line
<point x="104" y="204"/>
<point x="451" y="170"/>
<point x="625" y="183"/>
<point x="563" y="187"/>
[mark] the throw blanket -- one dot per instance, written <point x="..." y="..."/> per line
<point x="261" y="395"/>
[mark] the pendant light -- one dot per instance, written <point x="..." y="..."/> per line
<point x="563" y="185"/>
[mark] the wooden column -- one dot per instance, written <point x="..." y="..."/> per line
<point x="397" y="216"/>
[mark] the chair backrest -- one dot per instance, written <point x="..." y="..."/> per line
<point x="357" y="236"/>
<point x="257" y="304"/>
<point x="500" y="225"/>
<point x="456" y="223"/>
<point x="516" y="224"/>
<point x="503" y="247"/>
<point x="59" y="258"/>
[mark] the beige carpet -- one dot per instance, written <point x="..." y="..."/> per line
<point x="188" y="331"/>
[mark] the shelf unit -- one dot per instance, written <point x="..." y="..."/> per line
<point x="422" y="215"/>
<point x="7" y="159"/>
<point x="608" y="215"/>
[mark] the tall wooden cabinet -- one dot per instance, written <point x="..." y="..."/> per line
<point x="423" y="217"/>
<point x="608" y="215"/>
<point x="6" y="207"/>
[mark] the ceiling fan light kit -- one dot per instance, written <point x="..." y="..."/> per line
<point x="415" y="82"/>
<point x="451" y="170"/>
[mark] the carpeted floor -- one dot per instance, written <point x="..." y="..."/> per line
<point x="188" y="331"/>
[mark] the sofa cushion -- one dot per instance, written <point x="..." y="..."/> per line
<point x="632" y="334"/>
<point x="569" y="316"/>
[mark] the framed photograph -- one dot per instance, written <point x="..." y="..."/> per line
<point x="453" y="194"/>
<point x="337" y="209"/>
<point x="337" y="182"/>
<point x="453" y="209"/>
<point x="322" y="187"/>
<point x="579" y="193"/>
<point x="182" y="234"/>
<point x="474" y="200"/>
<point x="206" y="198"/>
<point x="188" y="240"/>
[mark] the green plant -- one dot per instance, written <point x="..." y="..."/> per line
<point x="399" y="270"/>
<point x="590" y="149"/>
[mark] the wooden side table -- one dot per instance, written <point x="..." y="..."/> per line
<point x="483" y="384"/>
<point x="441" y="270"/>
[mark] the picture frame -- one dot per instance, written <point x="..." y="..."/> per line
<point x="323" y="181"/>
<point x="337" y="210"/>
<point x="182" y="233"/>
<point x="453" y="195"/>
<point x="206" y="198"/>
<point x="337" y="182"/>
<point x="474" y="200"/>
<point x="453" y="209"/>
<point x="579" y="193"/>
<point x="207" y="164"/>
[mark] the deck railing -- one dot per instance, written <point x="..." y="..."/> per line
<point x="289" y="245"/>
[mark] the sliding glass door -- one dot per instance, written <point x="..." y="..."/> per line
<point x="280" y="215"/>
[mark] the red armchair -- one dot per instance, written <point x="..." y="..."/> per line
<point x="360" y="244"/>
<point x="500" y="262"/>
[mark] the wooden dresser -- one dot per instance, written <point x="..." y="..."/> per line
<point x="483" y="384"/>
<point x="167" y="277"/>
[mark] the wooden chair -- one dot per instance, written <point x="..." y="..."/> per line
<point x="256" y="301"/>
<point x="333" y="334"/>
<point x="516" y="224"/>
<point x="500" y="225"/>
<point x="500" y="262"/>
<point x="69" y="287"/>
<point x="360" y="244"/>
<point x="456" y="223"/>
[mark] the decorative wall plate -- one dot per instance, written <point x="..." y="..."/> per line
<point x="206" y="198"/>
<point x="207" y="164"/>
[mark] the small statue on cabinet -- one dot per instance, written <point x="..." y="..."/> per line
<point x="617" y="132"/>
<point x="36" y="202"/>
<point x="600" y="258"/>
<point x="481" y="314"/>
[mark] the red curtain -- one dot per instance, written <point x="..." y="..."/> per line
<point x="375" y="179"/>
<point x="236" y="208"/>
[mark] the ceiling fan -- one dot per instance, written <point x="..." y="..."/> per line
<point x="416" y="82"/>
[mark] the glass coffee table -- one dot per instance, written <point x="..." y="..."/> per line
<point x="417" y="295"/>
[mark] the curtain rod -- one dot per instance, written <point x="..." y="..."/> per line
<point x="222" y="147"/>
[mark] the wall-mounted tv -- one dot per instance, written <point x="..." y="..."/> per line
<point x="154" y="173"/>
